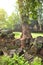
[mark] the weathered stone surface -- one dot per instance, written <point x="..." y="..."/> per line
<point x="37" y="47"/>
<point x="10" y="45"/>
<point x="39" y="42"/>
<point x="11" y="52"/>
<point x="41" y="52"/>
<point x="28" y="57"/>
<point x="33" y="50"/>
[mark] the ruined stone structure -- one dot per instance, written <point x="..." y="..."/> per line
<point x="9" y="45"/>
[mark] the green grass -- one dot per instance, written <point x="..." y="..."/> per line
<point x="34" y="35"/>
<point x="17" y="34"/>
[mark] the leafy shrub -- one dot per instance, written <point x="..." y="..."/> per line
<point x="36" y="61"/>
<point x="16" y="60"/>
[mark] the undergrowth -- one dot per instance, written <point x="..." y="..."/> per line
<point x="18" y="60"/>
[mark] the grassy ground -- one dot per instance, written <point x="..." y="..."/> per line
<point x="34" y="35"/>
<point x="17" y="34"/>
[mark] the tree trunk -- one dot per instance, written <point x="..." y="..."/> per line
<point x="26" y="31"/>
<point x="26" y="34"/>
<point x="39" y="21"/>
<point x="40" y="28"/>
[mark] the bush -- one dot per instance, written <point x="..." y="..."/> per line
<point x="36" y="61"/>
<point x="18" y="60"/>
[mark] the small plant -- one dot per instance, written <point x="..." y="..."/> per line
<point x="16" y="60"/>
<point x="36" y="61"/>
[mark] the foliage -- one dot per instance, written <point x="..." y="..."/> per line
<point x="16" y="60"/>
<point x="3" y="14"/>
<point x="37" y="61"/>
<point x="12" y="20"/>
<point x="8" y="21"/>
<point x="28" y="9"/>
<point x="3" y="17"/>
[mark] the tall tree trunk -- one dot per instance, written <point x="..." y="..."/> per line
<point x="26" y="31"/>
<point x="39" y="21"/>
<point x="26" y="34"/>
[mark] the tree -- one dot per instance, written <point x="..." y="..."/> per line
<point x="40" y="15"/>
<point x="12" y="20"/>
<point x="3" y="17"/>
<point x="3" y="14"/>
<point x="28" y="9"/>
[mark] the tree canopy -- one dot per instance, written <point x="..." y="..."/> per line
<point x="28" y="9"/>
<point x="3" y="14"/>
<point x="3" y="17"/>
